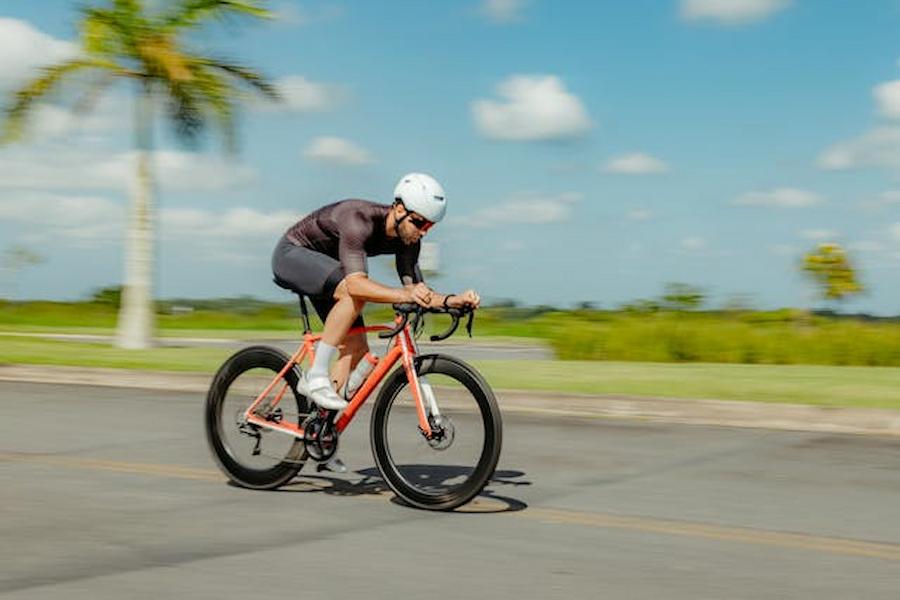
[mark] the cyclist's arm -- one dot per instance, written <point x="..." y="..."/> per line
<point x="469" y="298"/>
<point x="360" y="286"/>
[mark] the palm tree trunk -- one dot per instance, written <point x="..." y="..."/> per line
<point x="136" y="314"/>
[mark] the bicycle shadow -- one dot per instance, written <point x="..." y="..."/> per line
<point x="368" y="482"/>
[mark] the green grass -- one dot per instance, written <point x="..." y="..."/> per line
<point x="869" y="387"/>
<point x="784" y="337"/>
<point x="873" y="387"/>
<point x="39" y="351"/>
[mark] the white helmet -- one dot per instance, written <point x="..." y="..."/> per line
<point x="422" y="194"/>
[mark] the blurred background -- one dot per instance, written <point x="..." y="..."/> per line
<point x="657" y="180"/>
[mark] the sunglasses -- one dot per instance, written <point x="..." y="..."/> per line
<point x="420" y="223"/>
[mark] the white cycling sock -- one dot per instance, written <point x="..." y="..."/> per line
<point x="319" y="369"/>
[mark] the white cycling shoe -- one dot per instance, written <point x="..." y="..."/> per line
<point x="319" y="390"/>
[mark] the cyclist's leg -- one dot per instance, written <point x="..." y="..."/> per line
<point x="351" y="348"/>
<point x="339" y="312"/>
<point x="317" y="275"/>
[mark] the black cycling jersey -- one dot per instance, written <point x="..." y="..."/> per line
<point x="318" y="251"/>
<point x="351" y="230"/>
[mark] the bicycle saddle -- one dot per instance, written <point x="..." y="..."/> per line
<point x="286" y="285"/>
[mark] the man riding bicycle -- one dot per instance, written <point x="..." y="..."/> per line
<point x="324" y="255"/>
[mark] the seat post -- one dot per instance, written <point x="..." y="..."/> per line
<point x="304" y="314"/>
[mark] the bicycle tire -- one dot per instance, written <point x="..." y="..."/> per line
<point x="405" y="485"/>
<point x="268" y="360"/>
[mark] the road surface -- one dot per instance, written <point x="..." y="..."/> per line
<point x="111" y="493"/>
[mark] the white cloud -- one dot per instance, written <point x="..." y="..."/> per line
<point x="866" y="246"/>
<point x="636" y="164"/>
<point x="338" y="151"/>
<point x="234" y="224"/>
<point x="67" y="169"/>
<point x="527" y="208"/>
<point x="818" y="234"/>
<point x="299" y="94"/>
<point x="887" y="98"/>
<point x="640" y="214"/>
<point x="781" y="198"/>
<point x="693" y="243"/>
<point x="731" y="12"/>
<point x="503" y="11"/>
<point x="95" y="220"/>
<point x="895" y="231"/>
<point x="292" y="14"/>
<point x="53" y="216"/>
<point x="878" y="147"/>
<point x="533" y="107"/>
<point x="23" y="48"/>
<point x="187" y="171"/>
<point x="889" y="197"/>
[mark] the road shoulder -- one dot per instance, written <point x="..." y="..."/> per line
<point x="730" y="413"/>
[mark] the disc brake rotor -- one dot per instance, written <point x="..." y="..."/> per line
<point x="443" y="433"/>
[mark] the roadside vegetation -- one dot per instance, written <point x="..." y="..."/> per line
<point x="668" y="330"/>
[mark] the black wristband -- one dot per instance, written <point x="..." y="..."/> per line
<point x="447" y="297"/>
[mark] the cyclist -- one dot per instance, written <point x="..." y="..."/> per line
<point x="324" y="256"/>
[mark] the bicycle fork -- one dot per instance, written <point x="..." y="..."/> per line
<point x="423" y="394"/>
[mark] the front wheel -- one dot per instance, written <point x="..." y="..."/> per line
<point x="452" y="467"/>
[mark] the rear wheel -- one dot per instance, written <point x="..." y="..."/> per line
<point x="452" y="467"/>
<point x="253" y="456"/>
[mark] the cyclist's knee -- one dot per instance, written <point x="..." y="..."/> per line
<point x="342" y="292"/>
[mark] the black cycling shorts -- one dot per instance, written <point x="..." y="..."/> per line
<point x="311" y="273"/>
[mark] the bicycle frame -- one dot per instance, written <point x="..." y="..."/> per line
<point x="402" y="348"/>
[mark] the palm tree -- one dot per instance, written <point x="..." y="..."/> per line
<point x="124" y="41"/>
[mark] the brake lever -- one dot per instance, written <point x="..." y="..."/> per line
<point x="449" y="332"/>
<point x="400" y="325"/>
<point x="469" y="323"/>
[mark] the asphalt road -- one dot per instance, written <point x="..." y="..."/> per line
<point x="111" y="493"/>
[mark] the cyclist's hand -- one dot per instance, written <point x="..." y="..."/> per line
<point x="421" y="294"/>
<point x="468" y="299"/>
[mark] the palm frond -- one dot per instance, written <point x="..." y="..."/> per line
<point x="185" y="112"/>
<point x="245" y="75"/>
<point x="23" y="101"/>
<point x="163" y="59"/>
<point x="206" y="95"/>
<point x="128" y="8"/>
<point x="218" y="97"/>
<point x="191" y="12"/>
<point x="105" y="33"/>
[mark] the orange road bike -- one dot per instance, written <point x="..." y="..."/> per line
<point x="435" y="428"/>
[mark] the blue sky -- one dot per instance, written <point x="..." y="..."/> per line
<point x="591" y="151"/>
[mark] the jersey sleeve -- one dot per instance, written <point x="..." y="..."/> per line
<point x="354" y="231"/>
<point x="408" y="264"/>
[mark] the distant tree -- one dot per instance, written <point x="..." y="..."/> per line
<point x="503" y="303"/>
<point x="738" y="303"/>
<point x="682" y="296"/>
<point x="108" y="296"/>
<point x="13" y="260"/>
<point x="143" y="43"/>
<point x="641" y="305"/>
<point x="830" y="269"/>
